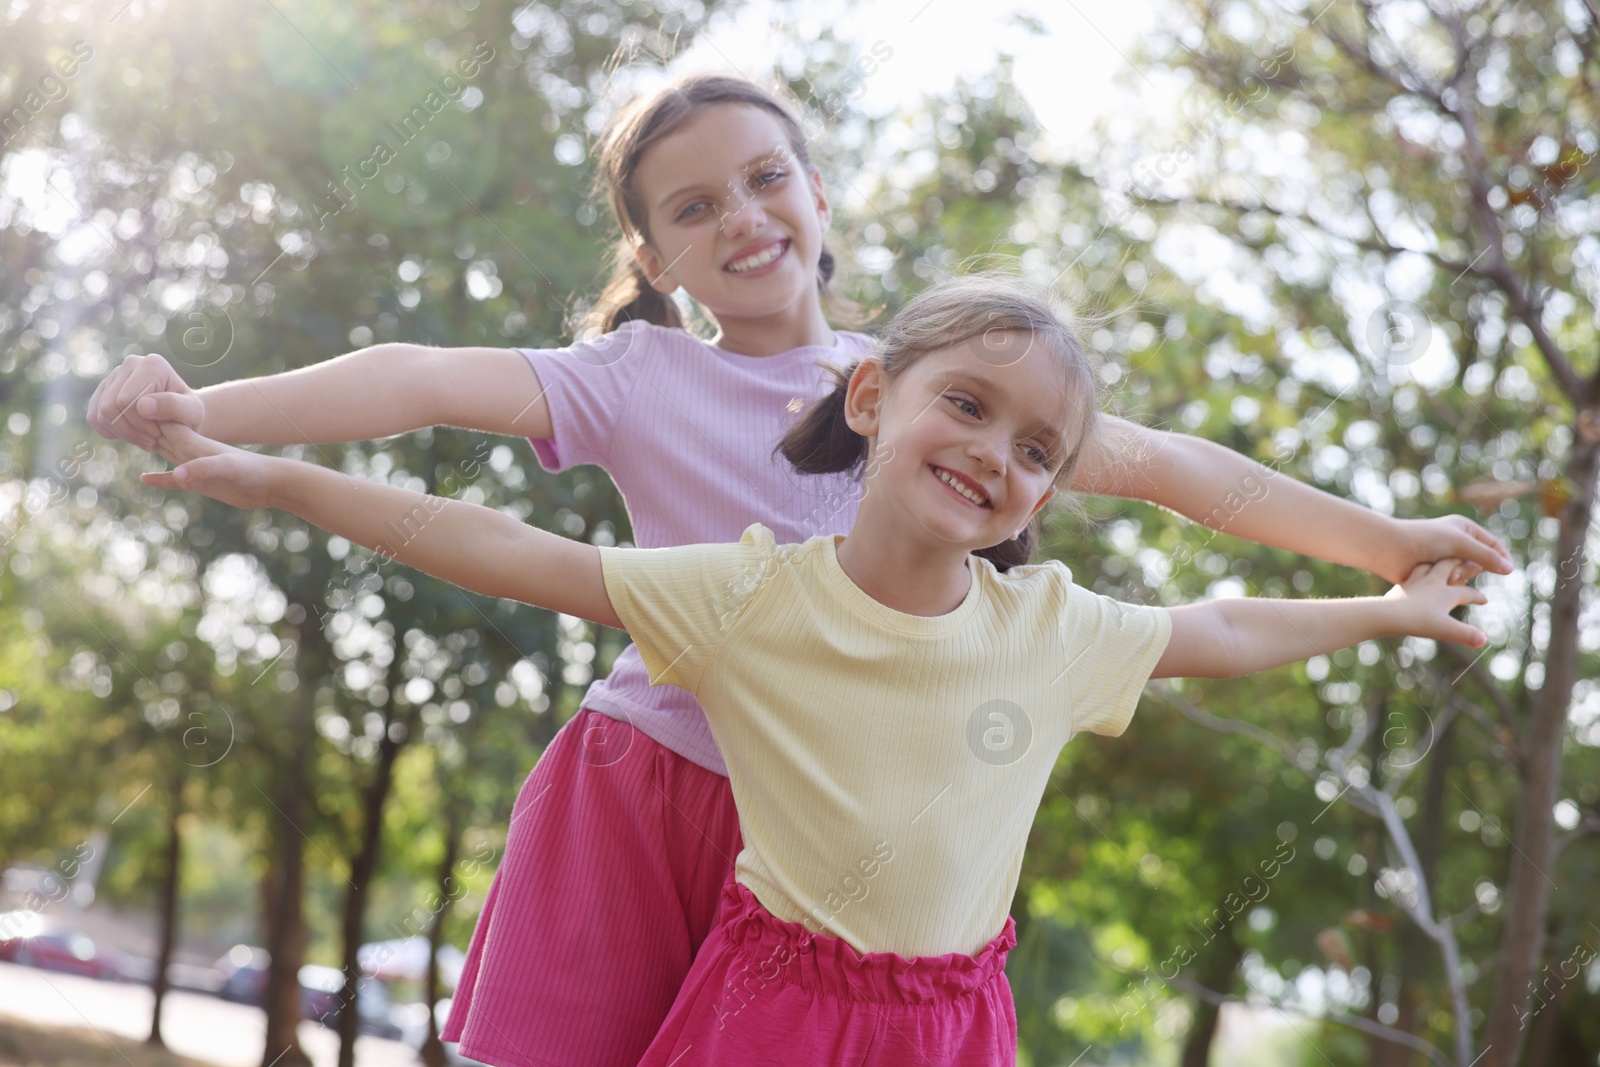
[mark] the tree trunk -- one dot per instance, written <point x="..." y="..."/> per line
<point x="1216" y="972"/>
<point x="362" y="868"/>
<point x="432" y="1051"/>
<point x="1574" y="1039"/>
<point x="285" y="892"/>
<point x="1527" y="901"/>
<point x="1547" y="1027"/>
<point x="1380" y="1052"/>
<point x="285" y="943"/>
<point x="169" y="907"/>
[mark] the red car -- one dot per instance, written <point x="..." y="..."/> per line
<point x="30" y="939"/>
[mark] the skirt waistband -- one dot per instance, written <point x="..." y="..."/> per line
<point x="778" y="952"/>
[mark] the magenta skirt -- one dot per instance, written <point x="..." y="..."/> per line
<point x="770" y="992"/>
<point x="615" y="860"/>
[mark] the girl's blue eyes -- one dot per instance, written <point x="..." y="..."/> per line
<point x="760" y="181"/>
<point x="970" y="407"/>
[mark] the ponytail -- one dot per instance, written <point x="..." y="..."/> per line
<point x="822" y="442"/>
<point x="628" y="296"/>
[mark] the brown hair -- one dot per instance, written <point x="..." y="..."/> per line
<point x="991" y="310"/>
<point x="627" y="294"/>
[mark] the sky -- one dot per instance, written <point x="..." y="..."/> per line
<point x="1066" y="74"/>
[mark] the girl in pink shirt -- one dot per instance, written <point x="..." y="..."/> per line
<point x="855" y="680"/>
<point x="625" y="832"/>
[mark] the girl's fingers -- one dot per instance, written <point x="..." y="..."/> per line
<point x="142" y="378"/>
<point x="178" y="435"/>
<point x="94" y="407"/>
<point x="1486" y="554"/>
<point x="1450" y="573"/>
<point x="1500" y="561"/>
<point x="126" y="421"/>
<point x="164" y="449"/>
<point x="170" y="407"/>
<point x="163" y="479"/>
<point x="102" y="404"/>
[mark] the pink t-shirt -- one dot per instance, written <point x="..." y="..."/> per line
<point x="687" y="432"/>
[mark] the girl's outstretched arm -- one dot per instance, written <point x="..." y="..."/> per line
<point x="1227" y="638"/>
<point x="1223" y="490"/>
<point x="475" y="547"/>
<point x="370" y="393"/>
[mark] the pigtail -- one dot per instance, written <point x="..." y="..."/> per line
<point x="1012" y="553"/>
<point x="628" y="297"/>
<point x="822" y="442"/>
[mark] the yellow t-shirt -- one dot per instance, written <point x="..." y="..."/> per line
<point x="886" y="767"/>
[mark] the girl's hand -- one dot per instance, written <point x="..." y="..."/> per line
<point x="219" y="471"/>
<point x="1428" y="596"/>
<point x="133" y="401"/>
<point x="1457" y="537"/>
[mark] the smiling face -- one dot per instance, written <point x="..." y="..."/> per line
<point x="965" y="451"/>
<point x="731" y="214"/>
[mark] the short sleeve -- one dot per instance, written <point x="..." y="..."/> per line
<point x="586" y="387"/>
<point x="1111" y="648"/>
<point x="679" y="604"/>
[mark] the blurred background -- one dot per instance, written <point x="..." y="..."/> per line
<point x="1355" y="240"/>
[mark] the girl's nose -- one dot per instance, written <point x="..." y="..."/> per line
<point x="743" y="216"/>
<point x="989" y="451"/>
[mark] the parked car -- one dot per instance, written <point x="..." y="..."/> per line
<point x="32" y="940"/>
<point x="319" y="1000"/>
<point x="242" y="974"/>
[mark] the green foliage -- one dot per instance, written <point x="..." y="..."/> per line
<point x="227" y="204"/>
<point x="212" y="215"/>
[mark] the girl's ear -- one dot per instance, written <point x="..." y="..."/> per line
<point x="863" y="397"/>
<point x="655" y="268"/>
<point x="824" y="212"/>
<point x="1049" y="495"/>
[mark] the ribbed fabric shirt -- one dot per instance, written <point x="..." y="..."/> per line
<point x="687" y="433"/>
<point x="887" y="767"/>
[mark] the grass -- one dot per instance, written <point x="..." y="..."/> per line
<point x="23" y="1044"/>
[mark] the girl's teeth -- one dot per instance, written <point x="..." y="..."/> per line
<point x="760" y="259"/>
<point x="958" y="487"/>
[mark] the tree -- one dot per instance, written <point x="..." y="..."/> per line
<point x="1441" y="163"/>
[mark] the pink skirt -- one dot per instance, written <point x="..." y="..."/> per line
<point x="615" y="860"/>
<point x="770" y="992"/>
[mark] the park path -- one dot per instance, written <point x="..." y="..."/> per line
<point x="203" y="1027"/>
